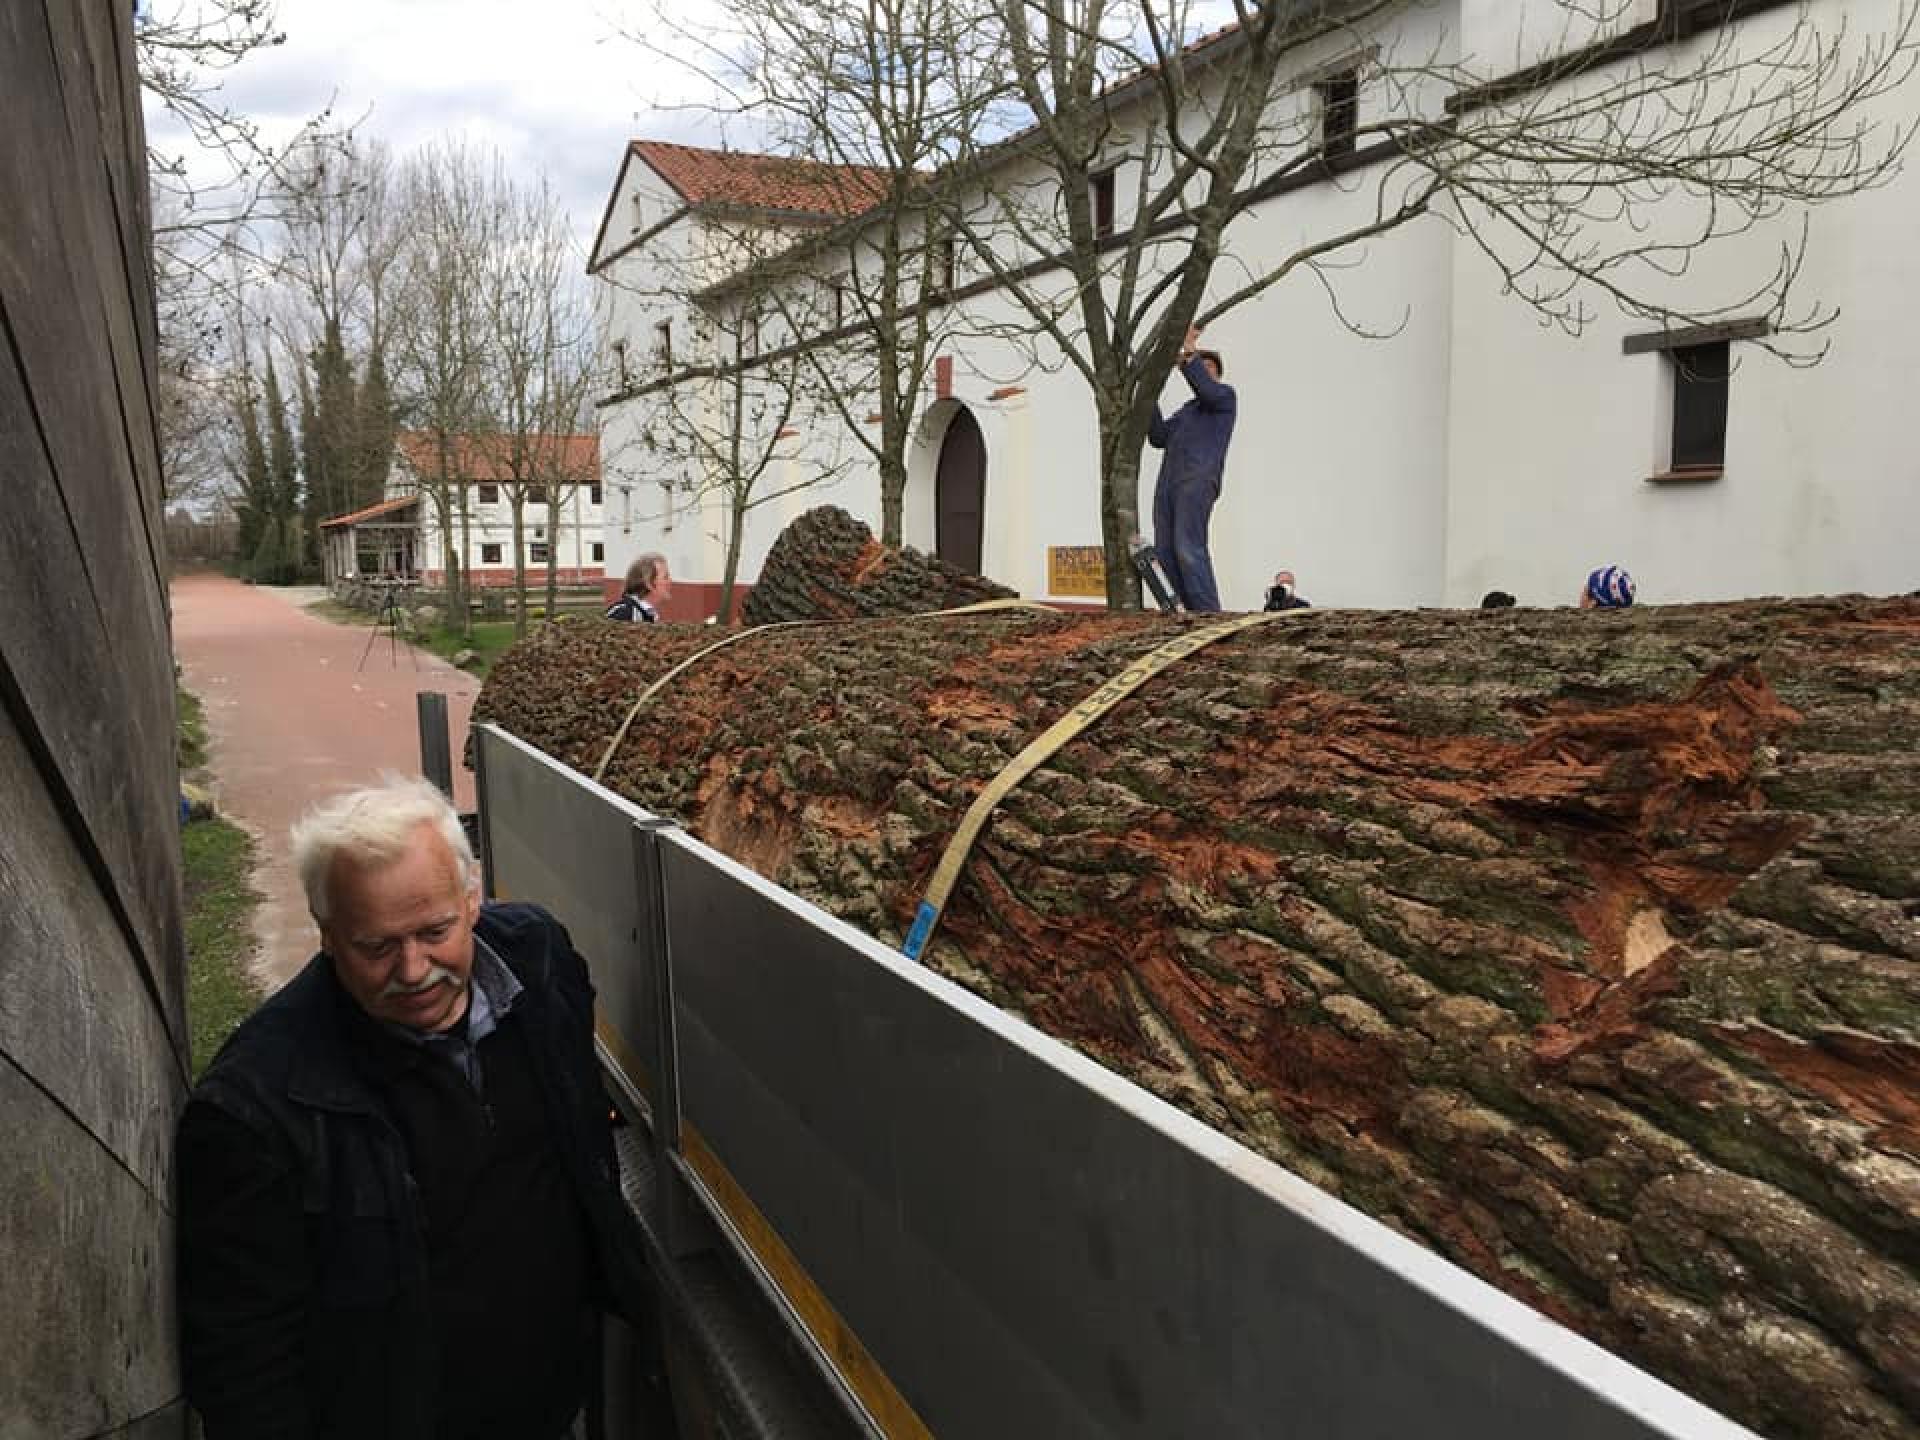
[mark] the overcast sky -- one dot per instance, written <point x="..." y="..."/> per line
<point x="551" y="84"/>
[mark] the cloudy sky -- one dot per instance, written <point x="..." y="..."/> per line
<point x="551" y="84"/>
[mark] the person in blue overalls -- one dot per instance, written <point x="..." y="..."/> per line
<point x="1195" y="439"/>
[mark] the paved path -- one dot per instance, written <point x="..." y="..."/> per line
<point x="291" y="721"/>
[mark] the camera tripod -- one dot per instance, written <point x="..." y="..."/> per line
<point x="387" y="618"/>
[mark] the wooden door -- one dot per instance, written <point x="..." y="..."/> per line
<point x="960" y="493"/>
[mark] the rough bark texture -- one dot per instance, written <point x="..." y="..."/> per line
<point x="826" y="565"/>
<point x="1580" y="945"/>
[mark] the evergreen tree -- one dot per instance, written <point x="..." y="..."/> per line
<point x="255" y="509"/>
<point x="373" y="433"/>
<point x="335" y="404"/>
<point x="280" y="552"/>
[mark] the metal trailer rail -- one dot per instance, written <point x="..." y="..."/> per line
<point x="953" y="1225"/>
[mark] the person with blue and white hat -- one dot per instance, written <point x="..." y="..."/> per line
<point x="1608" y="588"/>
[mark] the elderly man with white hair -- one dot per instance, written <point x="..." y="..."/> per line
<point x="399" y="1204"/>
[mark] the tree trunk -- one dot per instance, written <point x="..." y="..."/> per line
<point x="1120" y="516"/>
<point x="1580" y="945"/>
<point x="736" y="534"/>
<point x="893" y="491"/>
<point x="517" y="501"/>
<point x="827" y="565"/>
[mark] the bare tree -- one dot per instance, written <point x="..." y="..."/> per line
<point x="452" y="200"/>
<point x="887" y="95"/>
<point x="215" y="178"/>
<point x="540" y="369"/>
<point x="748" y="427"/>
<point x="1592" y="176"/>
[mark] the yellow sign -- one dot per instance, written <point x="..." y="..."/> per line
<point x="1079" y="570"/>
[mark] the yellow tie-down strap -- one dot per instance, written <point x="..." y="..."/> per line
<point x="660" y="683"/>
<point x="947" y="873"/>
<point x="889" y="1410"/>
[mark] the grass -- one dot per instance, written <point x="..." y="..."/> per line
<point x="489" y="639"/>
<point x="218" y="862"/>
<point x="191" y="730"/>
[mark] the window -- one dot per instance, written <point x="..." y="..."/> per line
<point x="663" y="344"/>
<point x="1102" y="187"/>
<point x="1697" y="361"/>
<point x="620" y="359"/>
<point x="839" y="302"/>
<point x="1699" y="406"/>
<point x="488" y="494"/>
<point x="489" y="554"/>
<point x="949" y="262"/>
<point x="593" y="495"/>
<point x="537" y="552"/>
<point x="599" y="552"/>
<point x="1339" y="113"/>
<point x="536" y="494"/>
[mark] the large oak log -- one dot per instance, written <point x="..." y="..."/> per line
<point x="1580" y="945"/>
<point x="827" y="565"/>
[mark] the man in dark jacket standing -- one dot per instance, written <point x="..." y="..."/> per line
<point x="1195" y="439"/>
<point x="399" y="1204"/>
<point x="648" y="584"/>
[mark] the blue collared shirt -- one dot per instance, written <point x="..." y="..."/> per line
<point x="492" y="992"/>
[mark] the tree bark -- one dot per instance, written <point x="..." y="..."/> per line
<point x="827" y="565"/>
<point x="1582" y="946"/>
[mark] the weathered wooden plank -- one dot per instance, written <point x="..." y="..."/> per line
<point x="97" y="118"/>
<point x="87" y="1252"/>
<point x="95" y="681"/>
<point x="75" y="1014"/>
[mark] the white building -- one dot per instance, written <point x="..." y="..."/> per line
<point x="1475" y="448"/>
<point x="400" y="535"/>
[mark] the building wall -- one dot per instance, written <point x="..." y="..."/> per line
<point x="1473" y="447"/>
<point x="582" y="528"/>
<point x="93" y="1039"/>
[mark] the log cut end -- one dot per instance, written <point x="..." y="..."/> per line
<point x="827" y="565"/>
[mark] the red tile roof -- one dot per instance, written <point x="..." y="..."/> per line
<point x="385" y="507"/>
<point x="486" y="459"/>
<point x="763" y="182"/>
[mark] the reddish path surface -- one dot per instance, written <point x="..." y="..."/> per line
<point x="292" y="721"/>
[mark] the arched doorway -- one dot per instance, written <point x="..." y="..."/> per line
<point x="960" y="493"/>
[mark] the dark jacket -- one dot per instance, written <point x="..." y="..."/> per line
<point x="633" y="607"/>
<point x="1195" y="436"/>
<point x="304" y="1283"/>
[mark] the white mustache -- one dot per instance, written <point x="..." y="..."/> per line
<point x="436" y="975"/>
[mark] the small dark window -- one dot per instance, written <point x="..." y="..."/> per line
<point x="537" y="552"/>
<point x="1103" y="204"/>
<point x="489" y="494"/>
<point x="599" y="552"/>
<point x="1339" y="114"/>
<point x="536" y="494"/>
<point x="1699" y="406"/>
<point x="839" y="304"/>
<point x="949" y="263"/>
<point x="663" y="343"/>
<point x="489" y="554"/>
<point x="593" y="495"/>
